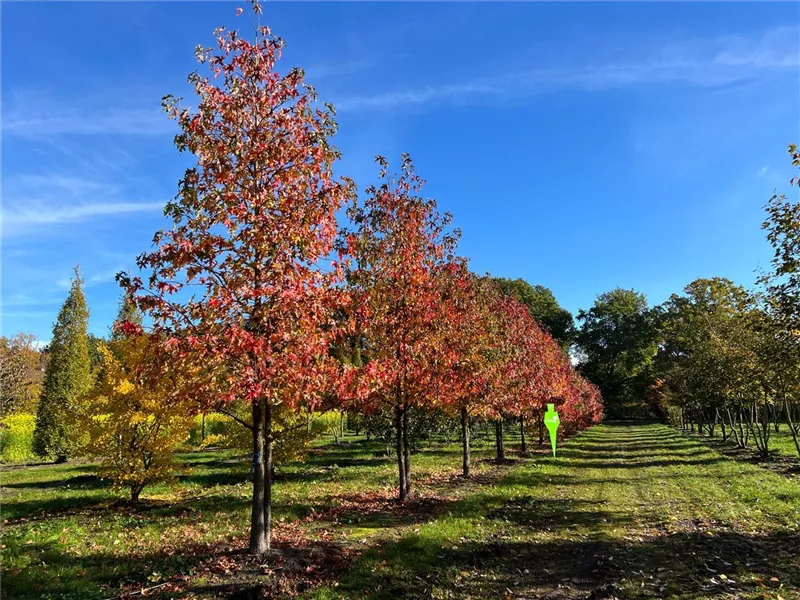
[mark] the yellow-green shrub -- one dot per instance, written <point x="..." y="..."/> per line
<point x="293" y="430"/>
<point x="220" y="431"/>
<point x="16" y="437"/>
<point x="674" y="416"/>
<point x="131" y="420"/>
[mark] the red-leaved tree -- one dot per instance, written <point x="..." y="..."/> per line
<point x="475" y="344"/>
<point x="398" y="254"/>
<point x="237" y="294"/>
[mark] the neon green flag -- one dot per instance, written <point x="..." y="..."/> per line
<point x="551" y="420"/>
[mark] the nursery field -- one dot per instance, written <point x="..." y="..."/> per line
<point x="625" y="511"/>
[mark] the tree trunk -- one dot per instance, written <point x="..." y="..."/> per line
<point x="732" y="425"/>
<point x="203" y="429"/>
<point x="541" y="428"/>
<point x="406" y="452"/>
<point x="498" y="434"/>
<point x="136" y="492"/>
<point x="794" y="428"/>
<point x="524" y="447"/>
<point x="776" y="410"/>
<point x="722" y="425"/>
<point x="258" y="529"/>
<point x="269" y="474"/>
<point x="401" y="468"/>
<point x="464" y="443"/>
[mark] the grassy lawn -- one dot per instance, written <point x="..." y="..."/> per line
<point x="628" y="511"/>
<point x="783" y="443"/>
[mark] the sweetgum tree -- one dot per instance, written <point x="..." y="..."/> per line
<point x="470" y="339"/>
<point x="399" y="250"/>
<point x="531" y="369"/>
<point x="237" y="292"/>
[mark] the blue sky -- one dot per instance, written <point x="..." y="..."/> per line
<point x="579" y="146"/>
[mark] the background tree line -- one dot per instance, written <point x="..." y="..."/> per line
<point x="716" y="358"/>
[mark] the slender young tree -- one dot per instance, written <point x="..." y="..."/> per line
<point x="133" y="423"/>
<point x="66" y="379"/>
<point x="238" y="290"/>
<point x="471" y="340"/>
<point x="398" y="254"/>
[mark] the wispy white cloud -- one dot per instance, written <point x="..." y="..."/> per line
<point x="419" y="96"/>
<point x="24" y="314"/>
<point x="43" y="121"/>
<point x="37" y="114"/>
<point x="708" y="64"/>
<point x="26" y="299"/>
<point x="339" y="69"/>
<point x="98" y="278"/>
<point x="18" y="218"/>
<point x="33" y="203"/>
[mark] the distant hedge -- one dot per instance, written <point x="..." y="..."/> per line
<point x="16" y="438"/>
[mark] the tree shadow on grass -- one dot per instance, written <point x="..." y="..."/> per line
<point x="52" y="508"/>
<point x="589" y="454"/>
<point x="678" y="565"/>
<point x="343" y="460"/>
<point x="556" y="513"/>
<point x="204" y="570"/>
<point x="640" y="464"/>
<point x="775" y="462"/>
<point x="217" y="463"/>
<point x="82" y="482"/>
<point x="91" y="507"/>
<point x="230" y="477"/>
<point x="377" y="510"/>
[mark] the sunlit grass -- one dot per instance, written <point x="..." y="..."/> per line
<point x="640" y="507"/>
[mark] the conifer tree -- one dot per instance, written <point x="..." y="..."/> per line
<point x="67" y="378"/>
<point x="128" y="312"/>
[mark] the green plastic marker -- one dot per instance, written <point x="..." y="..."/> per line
<point x="551" y="420"/>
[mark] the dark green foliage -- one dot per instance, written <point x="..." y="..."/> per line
<point x="617" y="343"/>
<point x="67" y="377"/>
<point x="95" y="358"/>
<point x="544" y="307"/>
<point x="423" y="426"/>
<point x="703" y="351"/>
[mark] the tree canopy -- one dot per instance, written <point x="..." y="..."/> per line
<point x="617" y="344"/>
<point x="544" y="307"/>
<point x="67" y="377"/>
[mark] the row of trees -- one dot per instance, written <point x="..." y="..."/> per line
<point x="731" y="356"/>
<point x="716" y="356"/>
<point x="258" y="305"/>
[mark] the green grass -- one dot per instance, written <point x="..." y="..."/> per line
<point x="780" y="443"/>
<point x="783" y="443"/>
<point x="632" y="511"/>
